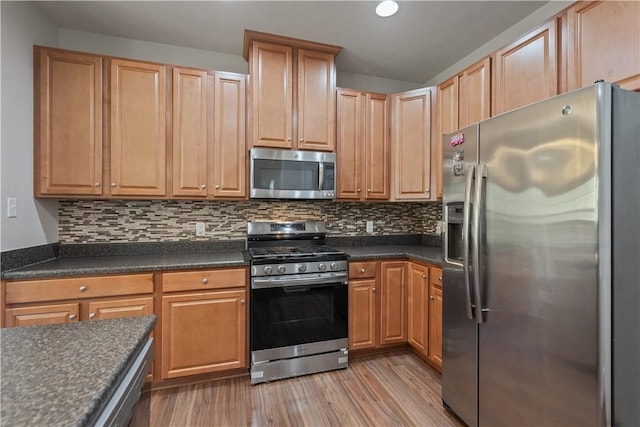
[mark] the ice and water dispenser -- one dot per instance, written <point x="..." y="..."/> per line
<point x="453" y="243"/>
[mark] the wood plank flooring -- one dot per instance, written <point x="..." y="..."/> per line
<point x="393" y="389"/>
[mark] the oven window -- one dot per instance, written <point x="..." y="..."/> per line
<point x="287" y="316"/>
<point x="285" y="175"/>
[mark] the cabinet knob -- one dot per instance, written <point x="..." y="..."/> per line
<point x="359" y="190"/>
<point x="203" y="186"/>
<point x="424" y="276"/>
<point x="440" y="278"/>
<point x="362" y="270"/>
<point x="205" y="280"/>
<point x="432" y="297"/>
<point x="289" y="139"/>
<point x="216" y="187"/>
<point x="369" y="190"/>
<point x="113" y="184"/>
<point x="92" y="315"/>
<point x="242" y="302"/>
<point x="96" y="184"/>
<point x="301" y="139"/>
<point x="82" y="288"/>
<point x="373" y="289"/>
<point x="72" y="316"/>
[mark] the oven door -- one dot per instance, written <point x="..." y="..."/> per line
<point x="292" y="320"/>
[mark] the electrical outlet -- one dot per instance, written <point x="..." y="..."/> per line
<point x="12" y="207"/>
<point x="439" y="227"/>
<point x="369" y="226"/>
<point x="200" y="229"/>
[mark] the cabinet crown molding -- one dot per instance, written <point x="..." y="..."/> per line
<point x="250" y="36"/>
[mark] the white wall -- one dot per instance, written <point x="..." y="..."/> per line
<point x="373" y="84"/>
<point x="512" y="34"/>
<point x="23" y="25"/>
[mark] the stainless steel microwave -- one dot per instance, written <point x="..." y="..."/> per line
<point x="289" y="174"/>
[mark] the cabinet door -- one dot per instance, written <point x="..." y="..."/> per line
<point x="602" y="43"/>
<point x="316" y="110"/>
<point x="393" y="302"/>
<point x="362" y="314"/>
<point x="435" y="317"/>
<point x="128" y="307"/>
<point x="376" y="142"/>
<point x="42" y="314"/>
<point x="411" y="144"/>
<point x="229" y="141"/>
<point x="526" y="70"/>
<point x="203" y="332"/>
<point x="349" y="144"/>
<point x="138" y="133"/>
<point x="189" y="132"/>
<point x="418" y="307"/>
<point x="271" y="95"/>
<point x="475" y="93"/>
<point x="68" y="129"/>
<point x="447" y="121"/>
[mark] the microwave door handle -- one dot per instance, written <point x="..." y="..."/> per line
<point x="320" y="175"/>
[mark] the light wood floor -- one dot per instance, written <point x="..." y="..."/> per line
<point x="394" y="389"/>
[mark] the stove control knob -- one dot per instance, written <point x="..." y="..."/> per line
<point x="268" y="269"/>
<point x="322" y="267"/>
<point x="302" y="268"/>
<point x="334" y="266"/>
<point x="282" y="269"/>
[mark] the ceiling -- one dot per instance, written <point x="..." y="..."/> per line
<point x="421" y="40"/>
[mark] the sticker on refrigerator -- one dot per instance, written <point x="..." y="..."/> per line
<point x="456" y="139"/>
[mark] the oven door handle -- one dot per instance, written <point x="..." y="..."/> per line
<point x="300" y="280"/>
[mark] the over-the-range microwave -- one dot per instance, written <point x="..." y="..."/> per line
<point x="289" y="174"/>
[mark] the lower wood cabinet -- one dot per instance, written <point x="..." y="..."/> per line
<point x="418" y="302"/>
<point x="393" y="302"/>
<point x="363" y="314"/>
<point x="203" y="322"/>
<point x="435" y="318"/>
<point x="42" y="314"/>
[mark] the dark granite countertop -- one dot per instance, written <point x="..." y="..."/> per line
<point x="61" y="375"/>
<point x="430" y="254"/>
<point x="115" y="264"/>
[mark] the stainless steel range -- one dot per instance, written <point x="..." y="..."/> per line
<point x="299" y="300"/>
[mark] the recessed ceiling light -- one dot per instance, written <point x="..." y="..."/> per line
<point x="386" y="8"/>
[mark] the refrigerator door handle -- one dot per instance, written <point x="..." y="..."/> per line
<point x="481" y="174"/>
<point x="466" y="221"/>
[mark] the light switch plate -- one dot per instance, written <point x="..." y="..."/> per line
<point x="369" y="226"/>
<point x="200" y="229"/>
<point x="12" y="207"/>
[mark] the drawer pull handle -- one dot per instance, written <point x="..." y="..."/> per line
<point x="82" y="288"/>
<point x="72" y="316"/>
<point x="424" y="276"/>
<point x="205" y="280"/>
<point x="92" y="315"/>
<point x="242" y="302"/>
<point x="432" y="297"/>
<point x="362" y="270"/>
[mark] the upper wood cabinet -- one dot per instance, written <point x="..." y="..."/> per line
<point x="229" y="137"/>
<point x="362" y="145"/>
<point x="68" y="123"/>
<point x="209" y="157"/>
<point x="526" y="71"/>
<point x="138" y="131"/>
<point x="602" y="43"/>
<point x="190" y="95"/>
<point x="292" y="96"/>
<point x="411" y="142"/>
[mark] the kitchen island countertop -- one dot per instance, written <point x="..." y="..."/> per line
<point x="61" y="375"/>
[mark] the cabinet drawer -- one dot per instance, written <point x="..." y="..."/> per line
<point x="42" y="315"/>
<point x="78" y="287"/>
<point x="436" y="277"/>
<point x="362" y="270"/>
<point x="204" y="279"/>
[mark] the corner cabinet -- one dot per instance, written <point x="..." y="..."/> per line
<point x="138" y="129"/>
<point x="418" y="302"/>
<point x="281" y="68"/>
<point x="602" y="43"/>
<point x="362" y="146"/>
<point x="68" y="123"/>
<point x="411" y="142"/>
<point x="204" y="322"/>
<point x="435" y="318"/>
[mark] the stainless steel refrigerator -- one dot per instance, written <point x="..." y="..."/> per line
<point x="541" y="280"/>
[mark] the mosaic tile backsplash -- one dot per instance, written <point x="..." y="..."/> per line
<point x="122" y="221"/>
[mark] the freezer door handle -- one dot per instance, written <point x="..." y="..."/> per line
<point x="481" y="175"/>
<point x="466" y="220"/>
